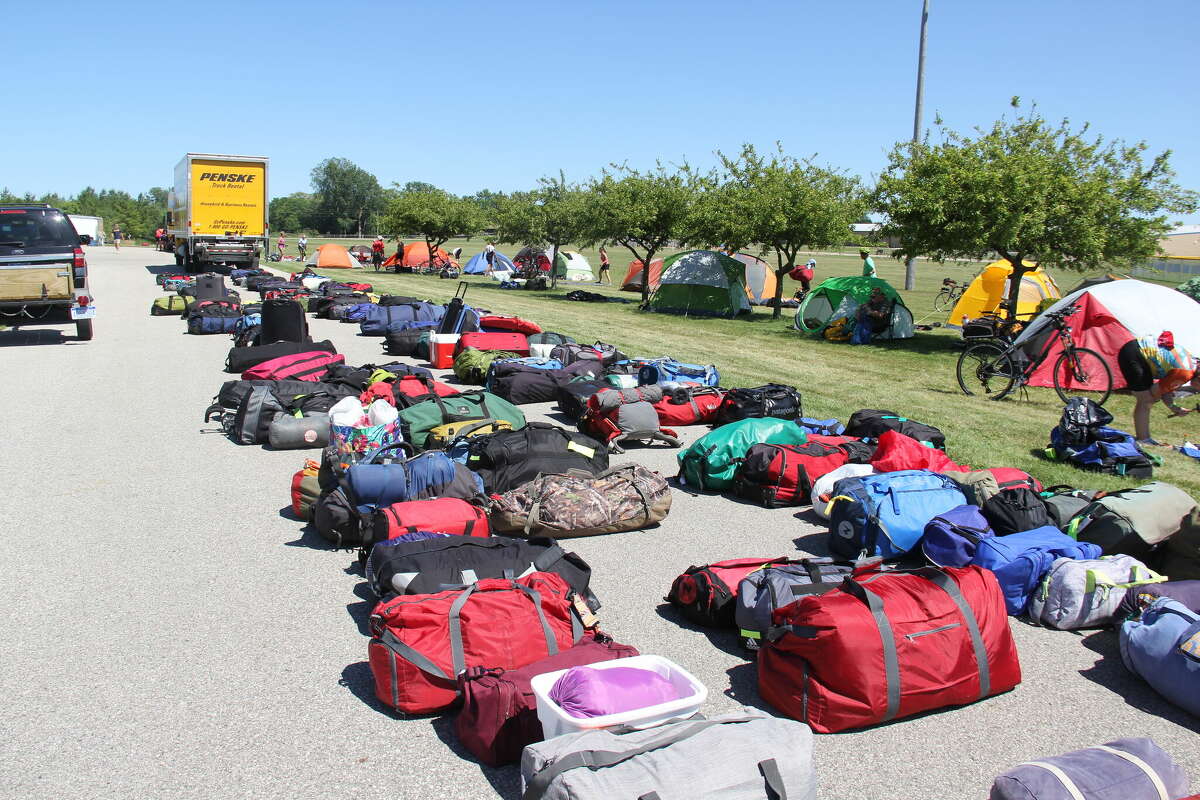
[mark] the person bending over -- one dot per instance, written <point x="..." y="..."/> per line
<point x="1154" y="368"/>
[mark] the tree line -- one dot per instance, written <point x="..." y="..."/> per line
<point x="138" y="216"/>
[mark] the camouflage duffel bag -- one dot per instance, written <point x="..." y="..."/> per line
<point x="623" y="498"/>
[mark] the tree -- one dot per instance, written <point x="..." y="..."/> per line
<point x="782" y="204"/>
<point x="347" y="195"/>
<point x="552" y="214"/>
<point x="295" y="212"/>
<point x="1027" y="189"/>
<point x="437" y="215"/>
<point x="643" y="212"/>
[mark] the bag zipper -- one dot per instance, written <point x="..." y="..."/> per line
<point x="919" y="634"/>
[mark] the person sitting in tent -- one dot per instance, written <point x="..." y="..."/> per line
<point x="868" y="264"/>
<point x="874" y="316"/>
<point x="1154" y="368"/>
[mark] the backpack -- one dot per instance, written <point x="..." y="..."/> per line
<point x="886" y="514"/>
<point x="305" y="489"/>
<point x="689" y="405"/>
<point x="213" y="316"/>
<point x="870" y="423"/>
<point x="572" y="395"/>
<point x="230" y="395"/>
<point x="402" y="342"/>
<point x="950" y="538"/>
<point x="1081" y="418"/>
<point x="822" y="489"/>
<point x="918" y="640"/>
<point x="824" y="427"/>
<point x="707" y="594"/>
<point x="711" y="462"/>
<point x="427" y="566"/>
<point x="1019" y="560"/>
<point x="1110" y="450"/>
<point x="1015" y="510"/>
<point x="251" y="423"/>
<point x="307" y="366"/>
<point x="777" y="475"/>
<point x="771" y="400"/>
<point x="839" y="330"/>
<point x="625" y="498"/>
<point x="1064" y="502"/>
<point x="241" y="359"/>
<point x="668" y="370"/>
<point x="749" y="755"/>
<point x="507" y="459"/>
<point x="336" y="520"/>
<point x="1133" y="521"/>
<point x="625" y="422"/>
<point x="1080" y="593"/>
<point x="418" y="420"/>
<point x="499" y="710"/>
<point x="776" y="585"/>
<point x="896" y="451"/>
<point x="448" y="515"/>
<point x="1162" y="646"/>
<point x="1133" y="769"/>
<point x="420" y="643"/>
<point x="471" y="365"/>
<point x="283" y="320"/>
<point x="408" y="390"/>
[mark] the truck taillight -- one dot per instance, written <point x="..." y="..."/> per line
<point x="79" y="263"/>
<point x="83" y="300"/>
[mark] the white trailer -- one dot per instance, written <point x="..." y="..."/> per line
<point x="88" y="226"/>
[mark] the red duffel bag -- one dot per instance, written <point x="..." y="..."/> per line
<point x="508" y="342"/>
<point x="437" y="514"/>
<point x="498" y="322"/>
<point x="897" y="452"/>
<point x="699" y="407"/>
<point x="886" y="645"/>
<point x="783" y="474"/>
<point x="420" y="643"/>
<point x="310" y="366"/>
<point x="415" y="388"/>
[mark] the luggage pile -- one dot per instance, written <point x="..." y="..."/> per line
<point x="458" y="506"/>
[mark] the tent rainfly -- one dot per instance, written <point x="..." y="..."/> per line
<point x="990" y="288"/>
<point x="573" y="266"/>
<point x="760" y="278"/>
<point x="701" y="283"/>
<point x="478" y="264"/>
<point x="835" y="298"/>
<point x="636" y="276"/>
<point x="332" y="256"/>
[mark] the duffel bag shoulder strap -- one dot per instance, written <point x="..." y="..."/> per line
<point x="596" y="760"/>
<point x="1073" y="789"/>
<point x="458" y="658"/>
<point x="950" y="587"/>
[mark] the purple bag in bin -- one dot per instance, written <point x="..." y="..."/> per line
<point x="591" y="692"/>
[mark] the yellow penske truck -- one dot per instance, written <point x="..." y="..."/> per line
<point x="217" y="211"/>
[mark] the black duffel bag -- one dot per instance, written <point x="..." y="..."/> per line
<point x="231" y="393"/>
<point x="771" y="400"/>
<point x="241" y="359"/>
<point x="403" y="343"/>
<point x="426" y="566"/>
<point x="572" y="395"/>
<point x="507" y="459"/>
<point x="871" y="423"/>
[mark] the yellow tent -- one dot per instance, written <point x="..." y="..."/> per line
<point x="990" y="287"/>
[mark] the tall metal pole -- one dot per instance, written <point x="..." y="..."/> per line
<point x="910" y="266"/>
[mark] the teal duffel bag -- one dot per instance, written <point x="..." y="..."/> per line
<point x="711" y="462"/>
<point x="418" y="420"/>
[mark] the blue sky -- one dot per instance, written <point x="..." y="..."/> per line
<point x="471" y="95"/>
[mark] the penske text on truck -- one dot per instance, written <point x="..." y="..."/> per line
<point x="217" y="210"/>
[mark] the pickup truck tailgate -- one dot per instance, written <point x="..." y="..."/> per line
<point x="35" y="282"/>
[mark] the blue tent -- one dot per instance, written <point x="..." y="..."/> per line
<point x="478" y="264"/>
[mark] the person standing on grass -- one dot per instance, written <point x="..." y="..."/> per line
<point x="489" y="255"/>
<point x="1154" y="368"/>
<point x="117" y="236"/>
<point x="605" y="268"/>
<point x="868" y="264"/>
<point x="280" y="245"/>
<point x="377" y="252"/>
<point x="302" y="246"/>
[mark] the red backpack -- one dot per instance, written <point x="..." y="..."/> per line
<point x="310" y="366"/>
<point x="415" y="388"/>
<point x="917" y="640"/>
<point x="699" y="407"/>
<point x="420" y="643"/>
<point x="707" y="595"/>
<point x="783" y="474"/>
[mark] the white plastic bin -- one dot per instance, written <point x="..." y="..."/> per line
<point x="556" y="722"/>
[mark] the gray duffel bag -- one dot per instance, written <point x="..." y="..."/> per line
<point x="777" y="585"/>
<point x="748" y="755"/>
<point x="1132" y="769"/>
<point x="296" y="433"/>
<point x="1087" y="593"/>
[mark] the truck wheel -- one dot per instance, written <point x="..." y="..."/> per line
<point x="83" y="330"/>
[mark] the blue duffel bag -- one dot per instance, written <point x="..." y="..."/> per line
<point x="411" y="325"/>
<point x="668" y="370"/>
<point x="1129" y="769"/>
<point x="951" y="538"/>
<point x="822" y="427"/>
<point x="377" y="318"/>
<point x="372" y="485"/>
<point x="1163" y="647"/>
<point x="205" y="324"/>
<point x="886" y="514"/>
<point x="357" y="312"/>
<point x="1019" y="560"/>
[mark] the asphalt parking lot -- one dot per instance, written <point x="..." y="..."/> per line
<point x="172" y="632"/>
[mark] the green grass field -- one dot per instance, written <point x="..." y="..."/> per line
<point x="915" y="377"/>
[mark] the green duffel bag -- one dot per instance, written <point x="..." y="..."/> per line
<point x="710" y="463"/>
<point x="421" y="351"/>
<point x="167" y="304"/>
<point x="417" y="421"/>
<point x="471" y="365"/>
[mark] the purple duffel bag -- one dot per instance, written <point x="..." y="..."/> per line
<point x="499" y="711"/>
<point x="1137" y="598"/>
<point x="589" y="692"/>
<point x="1127" y="769"/>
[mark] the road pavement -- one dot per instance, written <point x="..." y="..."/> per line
<point x="172" y="632"/>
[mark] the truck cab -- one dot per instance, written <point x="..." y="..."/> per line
<point x="43" y="272"/>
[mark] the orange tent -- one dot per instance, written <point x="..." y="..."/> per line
<point x="633" y="278"/>
<point x="332" y="256"/>
<point x="416" y="254"/>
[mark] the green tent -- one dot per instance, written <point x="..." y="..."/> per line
<point x="835" y="298"/>
<point x="701" y="283"/>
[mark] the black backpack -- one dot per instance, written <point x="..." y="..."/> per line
<point x="426" y="566"/>
<point x="572" y="395"/>
<point x="397" y="300"/>
<point x="871" y="423"/>
<point x="771" y="400"/>
<point x="507" y="459"/>
<point x="336" y="519"/>
<point x="283" y="320"/>
<point x="1015" y="510"/>
<point x="251" y="422"/>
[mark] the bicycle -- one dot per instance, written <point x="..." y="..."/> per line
<point x="994" y="365"/>
<point x="948" y="296"/>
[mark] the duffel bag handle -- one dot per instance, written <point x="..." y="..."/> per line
<point x="405" y="446"/>
<point x="1095" y="579"/>
<point x="458" y="659"/>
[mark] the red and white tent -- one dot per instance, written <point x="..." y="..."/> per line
<point x="1110" y="314"/>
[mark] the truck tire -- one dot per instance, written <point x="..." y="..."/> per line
<point x="83" y="330"/>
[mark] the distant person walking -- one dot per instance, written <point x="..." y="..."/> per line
<point x="377" y="253"/>
<point x="489" y="255"/>
<point x="868" y="264"/>
<point x="280" y="246"/>
<point x="605" y="268"/>
<point x="158" y="238"/>
<point x="302" y="246"/>
<point x="117" y="237"/>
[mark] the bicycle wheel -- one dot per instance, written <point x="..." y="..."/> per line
<point x="1081" y="371"/>
<point x="986" y="368"/>
<point x="944" y="301"/>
